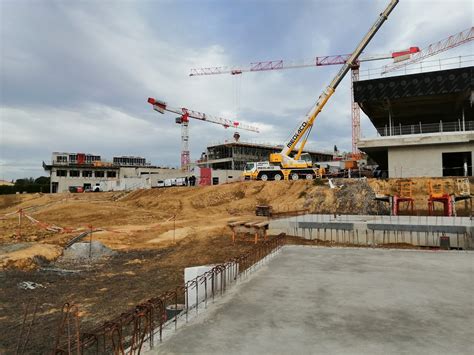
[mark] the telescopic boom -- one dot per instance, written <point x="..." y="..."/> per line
<point x="311" y="116"/>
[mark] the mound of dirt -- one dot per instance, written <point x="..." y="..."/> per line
<point x="357" y="195"/>
<point x="350" y="197"/>
<point x="80" y="252"/>
<point x="26" y="256"/>
<point x="217" y="198"/>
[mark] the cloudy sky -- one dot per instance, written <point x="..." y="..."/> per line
<point x="75" y="75"/>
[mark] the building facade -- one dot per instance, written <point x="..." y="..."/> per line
<point x="84" y="172"/>
<point x="424" y="123"/>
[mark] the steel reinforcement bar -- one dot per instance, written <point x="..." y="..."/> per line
<point x="128" y="332"/>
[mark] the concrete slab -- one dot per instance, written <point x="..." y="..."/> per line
<point x="342" y="301"/>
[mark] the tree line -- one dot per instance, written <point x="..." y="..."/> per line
<point x="29" y="185"/>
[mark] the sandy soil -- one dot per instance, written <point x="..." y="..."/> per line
<point x="147" y="219"/>
<point x="24" y="258"/>
<point x="155" y="233"/>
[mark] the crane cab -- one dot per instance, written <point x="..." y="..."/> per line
<point x="306" y="157"/>
<point x="249" y="171"/>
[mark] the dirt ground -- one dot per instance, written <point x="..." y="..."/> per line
<point x="102" y="290"/>
<point x="155" y="234"/>
<point x="150" y="219"/>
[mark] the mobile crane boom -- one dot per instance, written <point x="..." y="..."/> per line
<point x="323" y="99"/>
<point x="282" y="165"/>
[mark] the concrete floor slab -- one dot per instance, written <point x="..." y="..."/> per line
<point x="311" y="300"/>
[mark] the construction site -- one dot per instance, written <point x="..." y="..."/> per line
<point x="258" y="248"/>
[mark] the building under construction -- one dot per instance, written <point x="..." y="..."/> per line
<point x="424" y="123"/>
<point x="234" y="155"/>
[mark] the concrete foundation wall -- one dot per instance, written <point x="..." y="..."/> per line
<point x="419" y="161"/>
<point x="378" y="230"/>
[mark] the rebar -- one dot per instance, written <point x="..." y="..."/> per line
<point x="131" y="329"/>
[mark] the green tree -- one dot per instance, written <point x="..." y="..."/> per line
<point x="42" y="180"/>
<point x="24" y="182"/>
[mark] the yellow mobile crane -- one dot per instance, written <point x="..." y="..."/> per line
<point x="284" y="166"/>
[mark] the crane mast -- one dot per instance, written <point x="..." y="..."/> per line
<point x="303" y="129"/>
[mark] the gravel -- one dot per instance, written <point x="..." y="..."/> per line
<point x="357" y="197"/>
<point x="86" y="251"/>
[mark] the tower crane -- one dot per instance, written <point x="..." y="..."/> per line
<point x="397" y="56"/>
<point x="314" y="62"/>
<point x="400" y="58"/>
<point x="183" y="119"/>
<point x="445" y="44"/>
<point x="282" y="165"/>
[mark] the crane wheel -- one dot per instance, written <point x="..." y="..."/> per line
<point x="278" y="177"/>
<point x="309" y="176"/>
<point x="294" y="176"/>
<point x="264" y="177"/>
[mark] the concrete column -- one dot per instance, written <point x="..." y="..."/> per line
<point x="390" y="121"/>
<point x="232" y="161"/>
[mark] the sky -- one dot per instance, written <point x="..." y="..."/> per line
<point x="75" y="75"/>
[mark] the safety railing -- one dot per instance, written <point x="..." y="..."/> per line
<point x="128" y="332"/>
<point x="422" y="128"/>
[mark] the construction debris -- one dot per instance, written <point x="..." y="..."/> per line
<point x="357" y="195"/>
<point x="80" y="252"/>
<point x="29" y="285"/>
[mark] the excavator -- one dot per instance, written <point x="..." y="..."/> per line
<point x="283" y="165"/>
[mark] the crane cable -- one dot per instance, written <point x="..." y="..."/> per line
<point x="237" y="88"/>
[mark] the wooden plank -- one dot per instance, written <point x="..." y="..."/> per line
<point x="251" y="223"/>
<point x="237" y="223"/>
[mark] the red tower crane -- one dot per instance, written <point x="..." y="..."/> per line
<point x="183" y="120"/>
<point x="445" y="44"/>
<point x="316" y="62"/>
